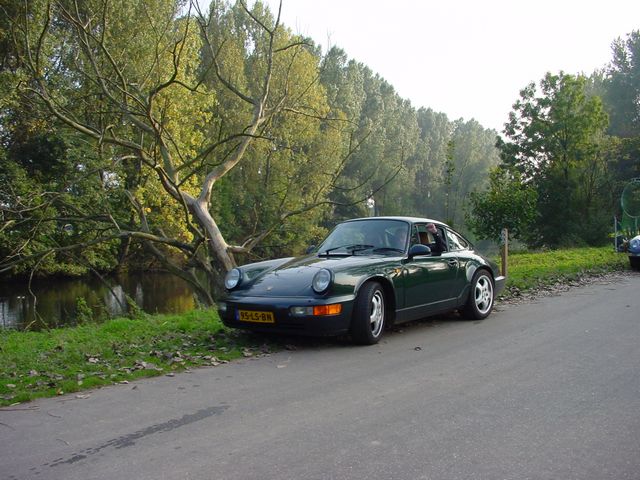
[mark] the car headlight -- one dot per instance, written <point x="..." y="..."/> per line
<point x="321" y="280"/>
<point x="635" y="243"/>
<point x="232" y="279"/>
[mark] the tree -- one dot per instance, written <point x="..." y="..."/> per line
<point x="429" y="164"/>
<point x="622" y="87"/>
<point x="557" y="142"/>
<point x="47" y="183"/>
<point x="508" y="203"/>
<point x="47" y="173"/>
<point x="176" y="102"/>
<point x="621" y="93"/>
<point x="382" y="126"/>
<point x="473" y="154"/>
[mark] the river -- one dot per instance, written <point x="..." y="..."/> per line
<point x="56" y="300"/>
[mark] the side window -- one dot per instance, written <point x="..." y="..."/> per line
<point x="415" y="237"/>
<point x="441" y="232"/>
<point x="456" y="242"/>
<point x="421" y="235"/>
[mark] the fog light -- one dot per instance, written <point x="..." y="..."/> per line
<point x="222" y="306"/>
<point x="301" y="311"/>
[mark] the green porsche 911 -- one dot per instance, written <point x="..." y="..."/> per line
<point x="367" y="274"/>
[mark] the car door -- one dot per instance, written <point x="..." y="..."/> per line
<point x="428" y="279"/>
<point x="458" y="249"/>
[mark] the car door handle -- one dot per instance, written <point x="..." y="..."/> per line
<point x="453" y="262"/>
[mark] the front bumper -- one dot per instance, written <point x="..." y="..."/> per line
<point x="284" y="321"/>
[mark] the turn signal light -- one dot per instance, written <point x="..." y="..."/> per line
<point x="333" y="309"/>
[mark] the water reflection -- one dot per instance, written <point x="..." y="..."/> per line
<point x="57" y="299"/>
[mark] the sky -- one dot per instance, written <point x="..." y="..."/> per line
<point x="465" y="58"/>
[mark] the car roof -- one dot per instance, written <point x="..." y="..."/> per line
<point x="401" y="218"/>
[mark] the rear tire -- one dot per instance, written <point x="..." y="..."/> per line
<point x="368" y="321"/>
<point x="480" y="302"/>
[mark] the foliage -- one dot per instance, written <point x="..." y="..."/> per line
<point x="291" y="165"/>
<point x="172" y="101"/>
<point x="621" y="93"/>
<point x="196" y="137"/>
<point x="622" y="87"/>
<point x="556" y="141"/>
<point x="84" y="314"/>
<point x="508" y="203"/>
<point x="403" y="151"/>
<point x="45" y="182"/>
<point x="472" y="157"/>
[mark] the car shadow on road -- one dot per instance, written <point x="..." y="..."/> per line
<point x="293" y="342"/>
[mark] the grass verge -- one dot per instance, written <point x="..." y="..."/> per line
<point x="67" y="360"/>
<point x="531" y="270"/>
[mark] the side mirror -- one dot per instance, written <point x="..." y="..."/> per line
<point x="310" y="249"/>
<point x="418" y="250"/>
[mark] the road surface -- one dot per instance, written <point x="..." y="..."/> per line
<point x="546" y="389"/>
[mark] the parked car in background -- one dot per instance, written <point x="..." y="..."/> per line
<point x="634" y="252"/>
<point x="369" y="273"/>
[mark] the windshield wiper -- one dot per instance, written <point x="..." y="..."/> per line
<point x="388" y="250"/>
<point x="351" y="249"/>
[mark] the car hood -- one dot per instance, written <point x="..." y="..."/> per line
<point x="293" y="277"/>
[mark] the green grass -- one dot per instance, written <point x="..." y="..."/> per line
<point x="530" y="270"/>
<point x="67" y="360"/>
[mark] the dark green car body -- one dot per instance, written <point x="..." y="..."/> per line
<point x="412" y="282"/>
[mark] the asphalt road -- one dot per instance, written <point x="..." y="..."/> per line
<point x="548" y="389"/>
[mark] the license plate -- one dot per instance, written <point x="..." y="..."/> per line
<point x="256" y="317"/>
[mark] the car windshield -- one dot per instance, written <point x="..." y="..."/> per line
<point x="365" y="237"/>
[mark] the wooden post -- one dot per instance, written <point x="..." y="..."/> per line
<point x="504" y="251"/>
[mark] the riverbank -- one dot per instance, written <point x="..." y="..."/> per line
<point x="68" y="360"/>
<point x="71" y="360"/>
<point x="67" y="301"/>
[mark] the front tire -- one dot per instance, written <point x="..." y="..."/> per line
<point x="369" y="315"/>
<point x="480" y="302"/>
<point x="634" y="262"/>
